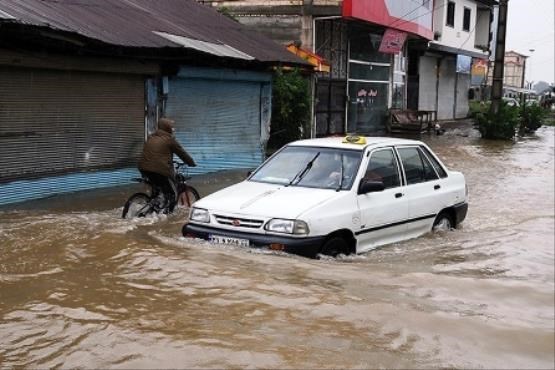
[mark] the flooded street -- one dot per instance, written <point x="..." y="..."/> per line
<point x="80" y="287"/>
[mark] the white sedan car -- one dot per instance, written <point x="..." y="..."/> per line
<point x="335" y="195"/>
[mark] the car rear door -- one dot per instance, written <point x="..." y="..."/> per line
<point x="423" y="189"/>
<point x="383" y="213"/>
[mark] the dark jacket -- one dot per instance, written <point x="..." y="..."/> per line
<point x="159" y="149"/>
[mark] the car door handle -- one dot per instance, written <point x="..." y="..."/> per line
<point x="437" y="187"/>
<point x="398" y="195"/>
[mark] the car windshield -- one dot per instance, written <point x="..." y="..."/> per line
<point x="323" y="168"/>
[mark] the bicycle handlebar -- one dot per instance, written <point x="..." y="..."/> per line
<point x="179" y="164"/>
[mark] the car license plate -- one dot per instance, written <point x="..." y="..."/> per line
<point x="218" y="239"/>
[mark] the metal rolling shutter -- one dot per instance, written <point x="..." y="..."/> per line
<point x="217" y="121"/>
<point x="57" y="122"/>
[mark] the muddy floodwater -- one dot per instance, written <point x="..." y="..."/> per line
<point x="81" y="288"/>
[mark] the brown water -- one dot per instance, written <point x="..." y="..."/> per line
<point x="80" y="287"/>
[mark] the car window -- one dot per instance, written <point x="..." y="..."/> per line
<point x="383" y="167"/>
<point x="429" y="172"/>
<point x="311" y="167"/>
<point x="412" y="163"/>
<point x="439" y="169"/>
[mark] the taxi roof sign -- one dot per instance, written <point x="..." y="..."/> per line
<point x="354" y="139"/>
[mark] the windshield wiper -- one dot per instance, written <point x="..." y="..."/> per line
<point x="341" y="175"/>
<point x="303" y="172"/>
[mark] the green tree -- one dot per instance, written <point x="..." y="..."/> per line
<point x="290" y="108"/>
<point x="502" y="125"/>
<point x="532" y="117"/>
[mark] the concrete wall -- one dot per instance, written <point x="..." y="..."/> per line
<point x="283" y="30"/>
<point x="455" y="36"/>
<point x="427" y="94"/>
<point x="284" y="21"/>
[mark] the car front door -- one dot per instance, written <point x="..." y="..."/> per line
<point x="383" y="213"/>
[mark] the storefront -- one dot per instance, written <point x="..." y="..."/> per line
<point x="365" y="79"/>
<point x="222" y="116"/>
<point x="67" y="130"/>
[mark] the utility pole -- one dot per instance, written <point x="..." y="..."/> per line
<point x="499" y="64"/>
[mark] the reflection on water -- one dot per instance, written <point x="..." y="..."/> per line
<point x="81" y="288"/>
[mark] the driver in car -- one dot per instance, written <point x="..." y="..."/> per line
<point x="156" y="163"/>
<point x="326" y="171"/>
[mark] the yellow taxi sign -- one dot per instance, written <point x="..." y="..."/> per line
<point x="353" y="139"/>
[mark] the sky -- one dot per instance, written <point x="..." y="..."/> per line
<point x="531" y="25"/>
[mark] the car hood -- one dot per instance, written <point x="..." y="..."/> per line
<point x="267" y="200"/>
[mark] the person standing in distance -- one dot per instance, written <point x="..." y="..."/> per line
<point x="156" y="163"/>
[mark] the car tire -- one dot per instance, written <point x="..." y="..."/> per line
<point x="335" y="246"/>
<point x="443" y="222"/>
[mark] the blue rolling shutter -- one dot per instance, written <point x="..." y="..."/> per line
<point x="219" y="120"/>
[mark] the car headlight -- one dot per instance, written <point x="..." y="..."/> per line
<point x="296" y="227"/>
<point x="199" y="215"/>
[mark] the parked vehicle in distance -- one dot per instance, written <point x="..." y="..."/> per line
<point x="335" y="196"/>
<point x="511" y="102"/>
<point x="532" y="101"/>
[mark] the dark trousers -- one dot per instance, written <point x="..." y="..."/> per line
<point x="164" y="184"/>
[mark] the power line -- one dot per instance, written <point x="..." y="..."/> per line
<point x="418" y="16"/>
<point x="403" y="16"/>
<point x="469" y="34"/>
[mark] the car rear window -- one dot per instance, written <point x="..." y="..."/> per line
<point x="439" y="169"/>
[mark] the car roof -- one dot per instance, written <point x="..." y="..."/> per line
<point x="337" y="142"/>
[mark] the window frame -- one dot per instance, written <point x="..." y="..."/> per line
<point x="465" y="9"/>
<point x="433" y="158"/>
<point x="400" y="173"/>
<point x="447" y="23"/>
<point x="422" y="155"/>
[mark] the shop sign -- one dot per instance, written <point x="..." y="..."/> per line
<point x="479" y="71"/>
<point x="392" y="41"/>
<point x="463" y="63"/>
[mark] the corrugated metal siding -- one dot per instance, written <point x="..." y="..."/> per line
<point x="54" y="123"/>
<point x="137" y="23"/>
<point x="23" y="190"/>
<point x="218" y="122"/>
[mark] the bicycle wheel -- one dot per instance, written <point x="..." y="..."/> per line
<point x="138" y="205"/>
<point x="188" y="197"/>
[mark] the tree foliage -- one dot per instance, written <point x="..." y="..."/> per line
<point x="509" y="121"/>
<point x="502" y="125"/>
<point x="290" y="108"/>
<point x="532" y="117"/>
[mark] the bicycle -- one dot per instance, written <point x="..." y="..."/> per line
<point x="142" y="204"/>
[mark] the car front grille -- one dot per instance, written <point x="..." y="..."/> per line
<point x="239" y="222"/>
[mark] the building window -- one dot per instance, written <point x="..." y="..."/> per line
<point x="466" y="19"/>
<point x="450" y="14"/>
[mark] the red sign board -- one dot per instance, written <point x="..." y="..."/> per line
<point x="392" y="41"/>
<point x="415" y="17"/>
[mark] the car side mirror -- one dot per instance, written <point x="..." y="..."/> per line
<point x="248" y="174"/>
<point x="370" y="187"/>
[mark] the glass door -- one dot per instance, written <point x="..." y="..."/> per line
<point x="368" y="84"/>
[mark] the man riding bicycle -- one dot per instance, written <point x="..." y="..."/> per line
<point x="156" y="163"/>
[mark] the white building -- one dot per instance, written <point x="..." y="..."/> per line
<point x="462" y="33"/>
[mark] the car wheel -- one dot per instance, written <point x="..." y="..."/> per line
<point x="334" y="246"/>
<point x="443" y="222"/>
